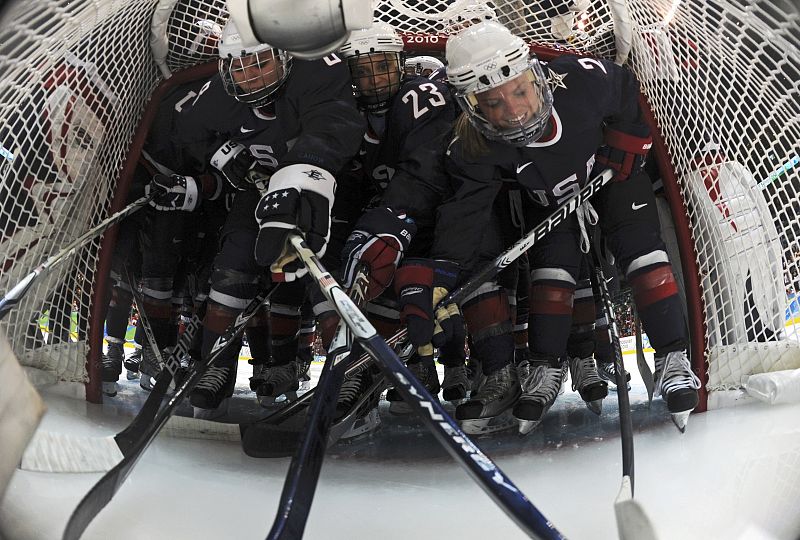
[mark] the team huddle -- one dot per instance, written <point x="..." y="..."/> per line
<point x="416" y="173"/>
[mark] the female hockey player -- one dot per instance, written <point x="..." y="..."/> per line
<point x="540" y="128"/>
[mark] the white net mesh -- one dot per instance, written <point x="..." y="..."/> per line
<point x="75" y="78"/>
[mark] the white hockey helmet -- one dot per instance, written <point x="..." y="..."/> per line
<point x="482" y="62"/>
<point x="251" y="72"/>
<point x="422" y="65"/>
<point x="375" y="58"/>
<point x="471" y="14"/>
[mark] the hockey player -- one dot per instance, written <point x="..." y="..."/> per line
<point x="422" y="66"/>
<point x="299" y="121"/>
<point x="406" y="118"/>
<point x="541" y="127"/>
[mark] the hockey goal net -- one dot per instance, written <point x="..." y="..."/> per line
<point x="720" y="79"/>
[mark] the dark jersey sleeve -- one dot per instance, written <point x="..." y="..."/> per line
<point x="331" y="126"/>
<point x="614" y="89"/>
<point x="201" y="123"/>
<point x="464" y="218"/>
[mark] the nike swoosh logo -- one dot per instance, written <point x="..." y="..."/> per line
<point x="520" y="168"/>
<point x="635" y="206"/>
<point x="245" y="130"/>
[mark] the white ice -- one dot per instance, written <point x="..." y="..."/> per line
<point x="734" y="474"/>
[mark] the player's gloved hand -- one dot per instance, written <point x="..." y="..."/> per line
<point x="379" y="240"/>
<point x="237" y="166"/>
<point x="625" y="151"/>
<point x="174" y="192"/>
<point x="299" y="197"/>
<point x="420" y="285"/>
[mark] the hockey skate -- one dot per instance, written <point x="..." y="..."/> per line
<point x="278" y="381"/>
<point x="426" y="374"/>
<point x="149" y="368"/>
<point x="210" y="398"/>
<point x="475" y="375"/>
<point x="357" y="406"/>
<point x="677" y="384"/>
<point x="455" y="384"/>
<point x="587" y="383"/>
<point x="542" y="382"/>
<point x="131" y="364"/>
<point x="606" y="372"/>
<point x="489" y="410"/>
<point x="304" y="357"/>
<point x="112" y="367"/>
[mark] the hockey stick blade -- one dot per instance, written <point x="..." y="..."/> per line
<point x="104" y="490"/>
<point x="482" y="469"/>
<point x="632" y="521"/>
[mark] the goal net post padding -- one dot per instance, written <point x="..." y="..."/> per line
<point x="719" y="78"/>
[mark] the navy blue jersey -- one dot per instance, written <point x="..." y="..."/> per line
<point x="314" y="120"/>
<point x="588" y="94"/>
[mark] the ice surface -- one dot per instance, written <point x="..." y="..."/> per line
<point x="734" y="474"/>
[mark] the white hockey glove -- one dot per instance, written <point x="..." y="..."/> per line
<point x="174" y="192"/>
<point x="299" y="197"/>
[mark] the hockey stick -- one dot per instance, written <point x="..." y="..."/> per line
<point x="632" y="522"/>
<point x="301" y="481"/>
<point x="13" y="296"/>
<point x="268" y="442"/>
<point x="641" y="361"/>
<point x="102" y="492"/>
<point x="483" y="470"/>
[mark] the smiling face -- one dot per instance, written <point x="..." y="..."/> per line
<point x="511" y="104"/>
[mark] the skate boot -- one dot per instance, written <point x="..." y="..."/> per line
<point x="357" y="406"/>
<point x="304" y="357"/>
<point x="489" y="409"/>
<point x="278" y="381"/>
<point x="606" y="372"/>
<point x="474" y="374"/>
<point x="587" y="383"/>
<point x="131" y="364"/>
<point x="112" y="368"/>
<point x="149" y="367"/>
<point x="542" y="381"/>
<point x="677" y="384"/>
<point x="211" y="397"/>
<point x="259" y="375"/>
<point x="456" y="384"/>
<point x="425" y="373"/>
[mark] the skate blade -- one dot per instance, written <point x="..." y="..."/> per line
<point x="110" y="388"/>
<point x="526" y="426"/>
<point x="212" y="414"/>
<point x="595" y="406"/>
<point x="680" y="419"/>
<point x="483" y="426"/>
<point x="270" y="401"/>
<point x="132" y="375"/>
<point x="366" y="424"/>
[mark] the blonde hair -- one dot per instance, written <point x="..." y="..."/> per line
<point x="473" y="142"/>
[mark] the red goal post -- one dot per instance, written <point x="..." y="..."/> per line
<point x="720" y="83"/>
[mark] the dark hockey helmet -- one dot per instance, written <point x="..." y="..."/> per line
<point x="251" y="72"/>
<point x="375" y="58"/>
<point x="499" y="84"/>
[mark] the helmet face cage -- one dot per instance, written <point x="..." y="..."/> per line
<point x="255" y="78"/>
<point x="376" y="79"/>
<point x="515" y="111"/>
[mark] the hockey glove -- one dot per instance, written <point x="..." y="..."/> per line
<point x="238" y="166"/>
<point x="174" y="192"/>
<point x="420" y="285"/>
<point x="299" y="197"/>
<point x="625" y="152"/>
<point x="379" y="240"/>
